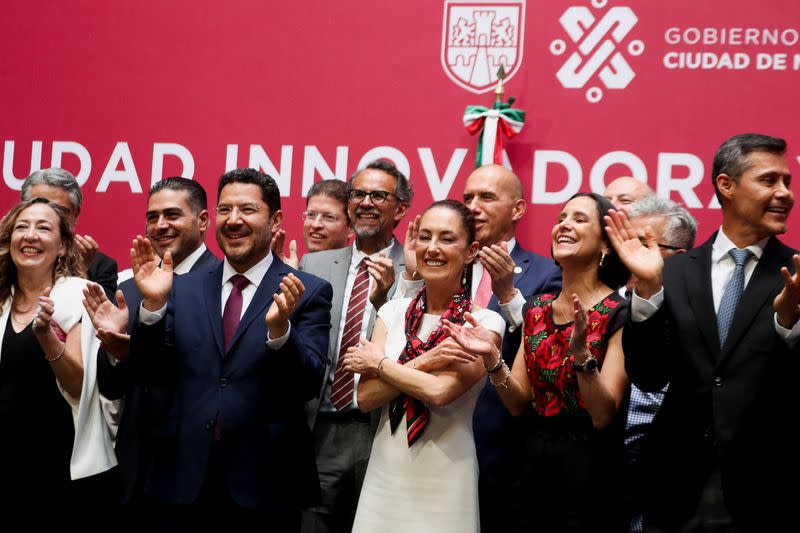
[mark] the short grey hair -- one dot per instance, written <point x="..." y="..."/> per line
<point x="55" y="177"/>
<point x="680" y="228"/>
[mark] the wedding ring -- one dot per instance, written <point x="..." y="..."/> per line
<point x="35" y="322"/>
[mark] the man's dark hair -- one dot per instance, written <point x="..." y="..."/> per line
<point x="335" y="189"/>
<point x="194" y="191"/>
<point x="731" y="157"/>
<point x="270" y="193"/>
<point x="402" y="187"/>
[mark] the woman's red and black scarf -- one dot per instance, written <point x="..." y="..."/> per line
<point x="417" y="414"/>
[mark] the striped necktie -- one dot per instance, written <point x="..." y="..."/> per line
<point x="343" y="382"/>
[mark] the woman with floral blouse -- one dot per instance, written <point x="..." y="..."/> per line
<point x="567" y="385"/>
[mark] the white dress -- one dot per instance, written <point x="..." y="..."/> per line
<point x="432" y="486"/>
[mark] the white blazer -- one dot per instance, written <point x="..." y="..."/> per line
<point x="92" y="449"/>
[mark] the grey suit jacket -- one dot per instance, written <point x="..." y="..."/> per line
<point x="332" y="266"/>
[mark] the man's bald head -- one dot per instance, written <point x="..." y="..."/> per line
<point x="623" y="192"/>
<point x="494" y="195"/>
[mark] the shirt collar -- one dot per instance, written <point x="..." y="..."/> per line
<point x="254" y="275"/>
<point x="186" y="265"/>
<point x="358" y="255"/>
<point x="722" y="245"/>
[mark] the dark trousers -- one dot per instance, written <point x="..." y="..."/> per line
<point x="215" y="510"/>
<point x="343" y="443"/>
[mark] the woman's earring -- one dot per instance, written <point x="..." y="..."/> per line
<point x="602" y="258"/>
<point x="464" y="276"/>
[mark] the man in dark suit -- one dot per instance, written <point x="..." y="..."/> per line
<point x="176" y="221"/>
<point x="243" y="347"/>
<point x="717" y="457"/>
<point x="379" y="196"/>
<point x="60" y="187"/>
<point x="504" y="278"/>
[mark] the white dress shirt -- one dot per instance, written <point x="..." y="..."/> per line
<point x="722" y="267"/>
<point x="355" y="260"/>
<point x="182" y="268"/>
<point x="254" y="275"/>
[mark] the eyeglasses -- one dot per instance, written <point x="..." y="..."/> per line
<point x="327" y="218"/>
<point x="661" y="245"/>
<point x="245" y="210"/>
<point x="378" y="197"/>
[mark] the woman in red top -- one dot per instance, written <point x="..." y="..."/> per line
<point x="567" y="383"/>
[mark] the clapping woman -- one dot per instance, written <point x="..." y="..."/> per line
<point x="423" y="473"/>
<point x="568" y="383"/>
<point x="45" y="389"/>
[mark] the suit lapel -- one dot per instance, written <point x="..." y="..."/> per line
<point x="339" y="268"/>
<point x="700" y="295"/>
<point x="213" y="296"/>
<point x="761" y="286"/>
<point x="262" y="298"/>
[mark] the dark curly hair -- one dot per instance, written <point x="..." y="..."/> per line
<point x="70" y="265"/>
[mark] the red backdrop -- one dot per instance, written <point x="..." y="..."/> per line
<point x="307" y="89"/>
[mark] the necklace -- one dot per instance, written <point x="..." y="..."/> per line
<point x="569" y="314"/>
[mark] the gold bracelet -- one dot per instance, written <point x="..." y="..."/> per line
<point x="503" y="382"/>
<point x="385" y="357"/>
<point x="57" y="357"/>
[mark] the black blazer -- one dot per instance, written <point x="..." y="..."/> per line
<point x="734" y="403"/>
<point x="103" y="271"/>
<point x="143" y="407"/>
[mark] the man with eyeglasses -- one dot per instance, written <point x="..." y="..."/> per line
<point x="674" y="230"/>
<point x="379" y="196"/>
<point x="241" y="347"/>
<point x="326" y="223"/>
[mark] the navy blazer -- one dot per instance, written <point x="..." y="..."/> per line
<point x="734" y="402"/>
<point x="257" y="394"/>
<point x="143" y="407"/>
<point x="493" y="425"/>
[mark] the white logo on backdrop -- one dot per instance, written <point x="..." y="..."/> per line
<point x="597" y="54"/>
<point x="478" y="37"/>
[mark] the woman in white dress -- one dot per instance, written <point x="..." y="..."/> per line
<point x="423" y="472"/>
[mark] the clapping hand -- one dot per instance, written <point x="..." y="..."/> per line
<point x="44" y="314"/>
<point x="87" y="247"/>
<point x="497" y="262"/>
<point x="476" y="340"/>
<point x="643" y="259"/>
<point x="283" y="304"/>
<point x="363" y="358"/>
<point x="152" y="280"/>
<point x="382" y="271"/>
<point x="577" y="340"/>
<point x="443" y="355"/>
<point x="276" y="245"/>
<point x="787" y="302"/>
<point x="410" y="245"/>
<point x="109" y="320"/>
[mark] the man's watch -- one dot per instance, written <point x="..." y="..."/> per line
<point x="590" y="365"/>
